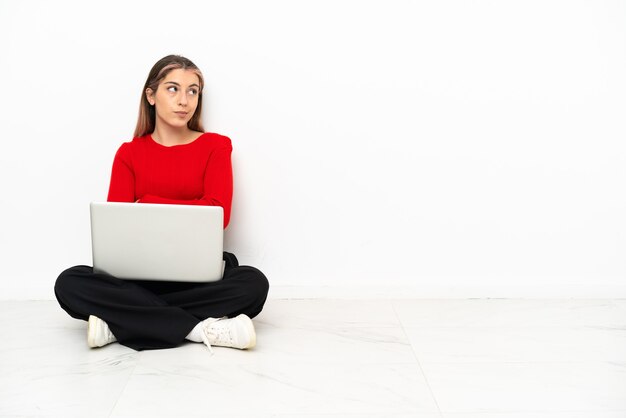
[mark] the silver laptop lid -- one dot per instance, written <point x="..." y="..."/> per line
<point x="157" y="242"/>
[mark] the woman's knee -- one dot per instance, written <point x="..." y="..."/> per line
<point x="253" y="286"/>
<point x="67" y="289"/>
<point x="70" y="278"/>
<point x="258" y="282"/>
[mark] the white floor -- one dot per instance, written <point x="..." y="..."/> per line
<point x="334" y="358"/>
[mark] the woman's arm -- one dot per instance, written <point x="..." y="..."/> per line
<point x="218" y="184"/>
<point x="122" y="186"/>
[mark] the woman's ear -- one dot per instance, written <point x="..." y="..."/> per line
<point x="150" y="96"/>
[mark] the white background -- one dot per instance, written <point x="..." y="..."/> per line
<point x="402" y="148"/>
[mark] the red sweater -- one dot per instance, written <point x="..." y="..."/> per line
<point x="198" y="173"/>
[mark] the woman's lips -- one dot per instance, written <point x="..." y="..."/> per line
<point x="181" y="114"/>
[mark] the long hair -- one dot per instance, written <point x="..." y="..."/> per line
<point x="147" y="116"/>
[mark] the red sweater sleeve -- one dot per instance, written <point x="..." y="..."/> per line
<point x="122" y="186"/>
<point x="218" y="184"/>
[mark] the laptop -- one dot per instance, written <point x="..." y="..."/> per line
<point x="141" y="241"/>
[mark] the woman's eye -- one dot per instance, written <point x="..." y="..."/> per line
<point x="172" y="89"/>
<point x="193" y="92"/>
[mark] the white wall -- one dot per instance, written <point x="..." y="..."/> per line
<point x="439" y="148"/>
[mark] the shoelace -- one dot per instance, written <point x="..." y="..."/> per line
<point x="220" y="333"/>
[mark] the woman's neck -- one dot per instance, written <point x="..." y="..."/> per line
<point x="168" y="137"/>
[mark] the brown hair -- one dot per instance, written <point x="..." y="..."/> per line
<point x="147" y="115"/>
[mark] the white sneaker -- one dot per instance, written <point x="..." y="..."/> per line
<point x="98" y="333"/>
<point x="235" y="332"/>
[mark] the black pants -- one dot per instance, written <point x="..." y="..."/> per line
<point x="154" y="314"/>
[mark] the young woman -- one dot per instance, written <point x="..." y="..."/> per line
<point x="171" y="160"/>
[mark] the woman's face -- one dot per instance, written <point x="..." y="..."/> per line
<point x="176" y="98"/>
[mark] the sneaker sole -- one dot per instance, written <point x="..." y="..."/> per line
<point x="250" y="327"/>
<point x="92" y="331"/>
